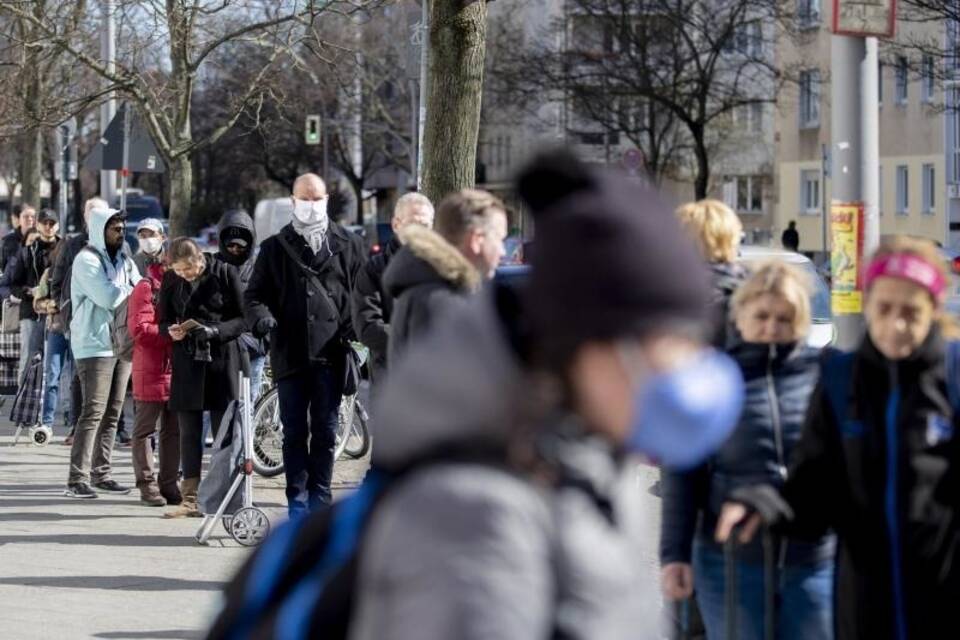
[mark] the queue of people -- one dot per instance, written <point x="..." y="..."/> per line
<point x="515" y="414"/>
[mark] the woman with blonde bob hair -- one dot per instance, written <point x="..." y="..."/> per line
<point x="879" y="459"/>
<point x="771" y="313"/>
<point x="715" y="229"/>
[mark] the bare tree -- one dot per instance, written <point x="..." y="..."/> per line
<point x="169" y="47"/>
<point x="665" y="74"/>
<point x="457" y="42"/>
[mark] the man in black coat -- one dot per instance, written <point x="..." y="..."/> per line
<point x="299" y="293"/>
<point x="12" y="242"/>
<point x="791" y="237"/>
<point x="434" y="269"/>
<point x="372" y="305"/>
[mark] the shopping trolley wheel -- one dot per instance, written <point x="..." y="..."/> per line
<point x="249" y="526"/>
<point x="41" y="436"/>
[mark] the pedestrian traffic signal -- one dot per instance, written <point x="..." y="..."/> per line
<point x="313" y="130"/>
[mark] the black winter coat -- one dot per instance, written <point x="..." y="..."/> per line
<point x="238" y="224"/>
<point x="779" y="383"/>
<point x="725" y="279"/>
<point x="27" y="268"/>
<point x="309" y="331"/>
<point x="217" y="301"/>
<point x="886" y="478"/>
<point x="62" y="271"/>
<point x="9" y="247"/>
<point x="425" y="277"/>
<point x="373" y="306"/>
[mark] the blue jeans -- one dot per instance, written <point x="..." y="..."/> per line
<point x="59" y="365"/>
<point x="31" y="341"/>
<point x="309" y="403"/>
<point x="804" y="596"/>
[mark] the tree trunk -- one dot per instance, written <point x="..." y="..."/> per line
<point x="180" y="175"/>
<point x="455" y="85"/>
<point x="31" y="166"/>
<point x="702" y="181"/>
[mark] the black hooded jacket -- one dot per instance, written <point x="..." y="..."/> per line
<point x="425" y="276"/>
<point x="27" y="269"/>
<point x="238" y="224"/>
<point x="886" y="477"/>
<point x="309" y="331"/>
<point x="372" y="305"/>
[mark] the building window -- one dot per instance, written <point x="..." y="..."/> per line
<point x="880" y="83"/>
<point x="749" y="194"/>
<point x="929" y="188"/>
<point x="903" y="190"/>
<point x="902" y="77"/>
<point x="810" y="192"/>
<point x="810" y="99"/>
<point x="928" y="79"/>
<point x="747" y="39"/>
<point x="808" y="14"/>
<point x="594" y="139"/>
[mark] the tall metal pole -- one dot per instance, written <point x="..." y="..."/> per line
<point x="824" y="205"/>
<point x="125" y="171"/>
<point x="424" y="85"/>
<point x="64" y="172"/>
<point x="854" y="135"/>
<point x="108" y="52"/>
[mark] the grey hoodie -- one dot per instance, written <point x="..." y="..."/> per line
<point x="468" y="550"/>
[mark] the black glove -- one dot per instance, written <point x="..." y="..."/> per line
<point x="264" y="326"/>
<point x="766" y="501"/>
<point x="205" y="333"/>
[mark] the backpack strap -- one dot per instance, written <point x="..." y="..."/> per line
<point x="836" y="373"/>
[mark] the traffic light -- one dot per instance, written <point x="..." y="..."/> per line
<point x="313" y="130"/>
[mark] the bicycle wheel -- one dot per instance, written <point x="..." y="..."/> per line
<point x="268" y="435"/>
<point x="358" y="442"/>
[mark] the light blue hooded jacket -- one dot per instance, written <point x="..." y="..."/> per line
<point x="97" y="287"/>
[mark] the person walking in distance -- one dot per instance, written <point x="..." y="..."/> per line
<point x="299" y="294"/>
<point x="102" y="279"/>
<point x="201" y="310"/>
<point x="436" y="269"/>
<point x="791" y="237"/>
<point x="372" y="304"/>
<point x="151" y="391"/>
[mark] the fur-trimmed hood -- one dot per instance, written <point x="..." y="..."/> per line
<point x="427" y="258"/>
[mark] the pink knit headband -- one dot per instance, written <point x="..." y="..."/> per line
<point x="910" y="267"/>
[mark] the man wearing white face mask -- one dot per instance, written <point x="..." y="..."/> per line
<point x="299" y="293"/>
<point x="151" y="236"/>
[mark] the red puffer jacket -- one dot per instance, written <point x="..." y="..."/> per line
<point x="151" y="349"/>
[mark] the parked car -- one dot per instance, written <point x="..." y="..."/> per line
<point x="271" y="215"/>
<point x="823" y="331"/>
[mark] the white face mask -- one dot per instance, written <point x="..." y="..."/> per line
<point x="151" y="246"/>
<point x="310" y="211"/>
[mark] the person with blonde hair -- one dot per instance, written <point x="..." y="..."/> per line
<point x="771" y="313"/>
<point x="878" y="459"/>
<point x="716" y="230"/>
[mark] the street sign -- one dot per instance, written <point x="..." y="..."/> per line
<point x="312" y="133"/>
<point x="108" y="154"/>
<point x="865" y="18"/>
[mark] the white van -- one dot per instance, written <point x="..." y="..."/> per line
<point x="272" y="215"/>
<point x="823" y="332"/>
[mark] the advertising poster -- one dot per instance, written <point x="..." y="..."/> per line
<point x="846" y="230"/>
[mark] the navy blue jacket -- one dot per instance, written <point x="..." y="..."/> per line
<point x="780" y="380"/>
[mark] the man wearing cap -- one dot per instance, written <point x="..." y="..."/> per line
<point x="30" y="264"/>
<point x="102" y="279"/>
<point x="151" y="236"/>
<point x="13" y="241"/>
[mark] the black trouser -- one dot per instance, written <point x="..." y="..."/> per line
<point x="191" y="439"/>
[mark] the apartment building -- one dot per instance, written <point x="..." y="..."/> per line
<point x="915" y="156"/>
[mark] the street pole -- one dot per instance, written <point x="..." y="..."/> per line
<point x="108" y="52"/>
<point x="64" y="172"/>
<point x="855" y="150"/>
<point x="414" y="134"/>
<point x="424" y="85"/>
<point x="824" y="206"/>
<point x="125" y="170"/>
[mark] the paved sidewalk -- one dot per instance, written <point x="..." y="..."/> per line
<point x="108" y="568"/>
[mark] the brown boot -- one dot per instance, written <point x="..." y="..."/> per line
<point x="188" y="508"/>
<point x="150" y="494"/>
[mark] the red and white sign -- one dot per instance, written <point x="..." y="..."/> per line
<point x="865" y="18"/>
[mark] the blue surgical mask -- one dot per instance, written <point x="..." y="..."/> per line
<point x="681" y="417"/>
